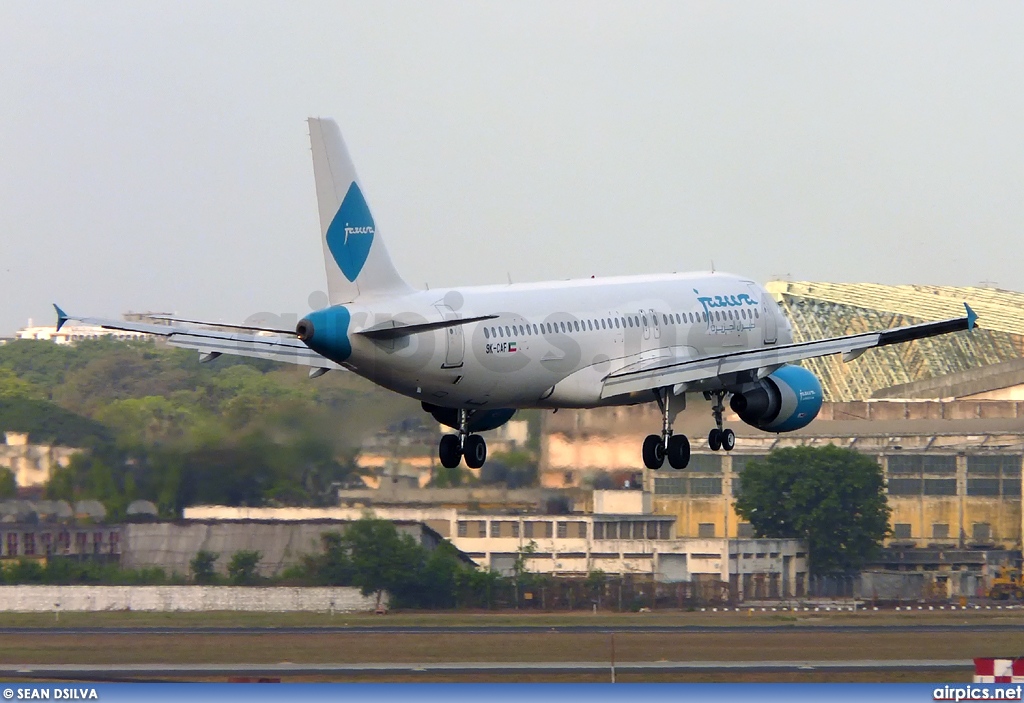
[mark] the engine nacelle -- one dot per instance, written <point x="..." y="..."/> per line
<point x="786" y="400"/>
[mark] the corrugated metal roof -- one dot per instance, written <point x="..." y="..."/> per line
<point x="819" y="310"/>
<point x="998" y="310"/>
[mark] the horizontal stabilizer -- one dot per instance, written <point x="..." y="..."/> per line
<point x="255" y="343"/>
<point x="393" y="330"/>
<point x="225" y="325"/>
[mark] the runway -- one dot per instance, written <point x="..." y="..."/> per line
<point x="134" y="671"/>
<point x="520" y="630"/>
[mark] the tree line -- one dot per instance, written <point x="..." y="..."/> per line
<point x="158" y="425"/>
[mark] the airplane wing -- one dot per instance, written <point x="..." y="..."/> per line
<point x="670" y="372"/>
<point x="255" y="342"/>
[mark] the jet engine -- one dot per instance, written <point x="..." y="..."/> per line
<point x="784" y="401"/>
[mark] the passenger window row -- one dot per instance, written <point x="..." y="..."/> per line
<point x="608" y="323"/>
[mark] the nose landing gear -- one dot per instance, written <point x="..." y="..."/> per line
<point x="719" y="438"/>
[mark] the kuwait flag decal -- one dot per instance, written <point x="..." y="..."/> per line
<point x="511" y="346"/>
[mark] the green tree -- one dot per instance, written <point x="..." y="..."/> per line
<point x="382" y="559"/>
<point x="832" y="497"/>
<point x="8" y="484"/>
<point x="201" y="567"/>
<point x="243" y="569"/>
<point x="332" y="567"/>
<point x="11" y="386"/>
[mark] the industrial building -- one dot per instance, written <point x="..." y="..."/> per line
<point x="953" y="469"/>
<point x="621" y="536"/>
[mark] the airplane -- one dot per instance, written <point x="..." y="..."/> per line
<point x="473" y="356"/>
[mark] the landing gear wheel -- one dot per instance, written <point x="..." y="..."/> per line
<point x="678" y="453"/>
<point x="715" y="439"/>
<point x="449" y="451"/>
<point x="475" y="451"/>
<point x="654" y="452"/>
<point x="728" y="440"/>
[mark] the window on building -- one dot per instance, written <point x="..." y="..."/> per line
<point x="705" y="463"/>
<point x="515" y="529"/>
<point x="496" y="529"/>
<point x="938" y="464"/>
<point x="670" y="485"/>
<point x="904" y="486"/>
<point x="1011" y="488"/>
<point x="904" y="464"/>
<point x="12" y="544"/>
<point x="665" y="530"/>
<point x="901" y="530"/>
<point x="940" y="487"/>
<point x="611" y="530"/>
<point x="115" y="543"/>
<point x="981" y="532"/>
<point x="745" y="530"/>
<point x="563" y="530"/>
<point x="652" y="529"/>
<point x="463" y="528"/>
<point x="81" y="540"/>
<point x="940" y="530"/>
<point x="30" y="544"/>
<point x="46" y="543"/>
<point x="706" y="529"/>
<point x="983" y="486"/>
<point x="985" y="465"/>
<point x="705" y="486"/>
<point x="598" y="530"/>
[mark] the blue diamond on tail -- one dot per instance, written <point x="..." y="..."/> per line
<point x="351" y="233"/>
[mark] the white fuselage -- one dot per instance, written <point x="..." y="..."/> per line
<point x="553" y="343"/>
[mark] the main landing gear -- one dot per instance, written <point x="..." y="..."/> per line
<point x="674" y="447"/>
<point x="454" y="447"/>
<point x="719" y="438"/>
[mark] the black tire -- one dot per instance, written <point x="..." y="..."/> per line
<point x="728" y="440"/>
<point x="475" y="451"/>
<point x="715" y="440"/>
<point x="678" y="454"/>
<point x="449" y="452"/>
<point x="654" y="452"/>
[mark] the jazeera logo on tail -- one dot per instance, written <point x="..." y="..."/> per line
<point x="351" y="233"/>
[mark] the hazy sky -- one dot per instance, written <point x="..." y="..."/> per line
<point x="155" y="155"/>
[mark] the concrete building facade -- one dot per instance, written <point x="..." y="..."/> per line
<point x="629" y="541"/>
<point x="31" y="464"/>
<point x="953" y="469"/>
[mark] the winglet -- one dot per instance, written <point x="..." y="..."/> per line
<point x="62" y="316"/>
<point x="972" y="316"/>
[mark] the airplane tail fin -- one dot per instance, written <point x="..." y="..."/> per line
<point x="357" y="260"/>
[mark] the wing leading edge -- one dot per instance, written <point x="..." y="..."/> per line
<point x="672" y="372"/>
